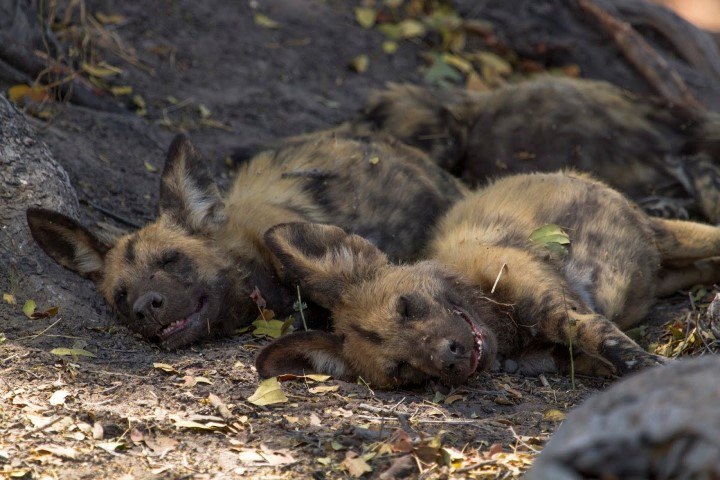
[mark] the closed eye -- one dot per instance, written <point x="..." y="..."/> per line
<point x="168" y="258"/>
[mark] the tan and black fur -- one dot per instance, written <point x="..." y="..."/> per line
<point x="487" y="292"/>
<point x="638" y="145"/>
<point x="190" y="273"/>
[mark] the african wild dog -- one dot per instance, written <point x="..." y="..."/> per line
<point x="638" y="145"/>
<point x="487" y="292"/>
<point x="191" y="272"/>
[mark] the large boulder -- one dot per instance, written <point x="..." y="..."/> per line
<point x="662" y="423"/>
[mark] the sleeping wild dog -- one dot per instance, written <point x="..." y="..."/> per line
<point x="486" y="292"/>
<point x="190" y="273"/>
<point x="640" y="146"/>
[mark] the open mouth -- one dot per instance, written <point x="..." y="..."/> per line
<point x="179" y="325"/>
<point x="479" y="341"/>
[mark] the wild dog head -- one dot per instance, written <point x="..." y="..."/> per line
<point x="392" y="325"/>
<point x="169" y="280"/>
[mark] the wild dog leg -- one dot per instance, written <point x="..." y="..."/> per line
<point x="546" y="305"/>
<point x="703" y="272"/>
<point x="683" y="242"/>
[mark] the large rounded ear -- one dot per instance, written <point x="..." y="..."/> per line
<point x="304" y="352"/>
<point x="323" y="259"/>
<point x="68" y="243"/>
<point x="187" y="193"/>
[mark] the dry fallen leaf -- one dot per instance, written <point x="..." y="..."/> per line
<point x="58" y="397"/>
<point x="165" y="367"/>
<point x="356" y="466"/>
<point x="161" y="445"/>
<point x="365" y="16"/>
<point x="9" y="299"/>
<point x="264" y="457"/>
<point x="210" y="425"/>
<point x="74" y="352"/>
<point x="360" y="63"/>
<point x="262" y="20"/>
<point x="110" y="446"/>
<point x="553" y="416"/>
<point x="110" y="18"/>
<point x="58" y="451"/>
<point x="324" y="389"/>
<point x="268" y="393"/>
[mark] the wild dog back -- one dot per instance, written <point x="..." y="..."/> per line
<point x="488" y="291"/>
<point x="371" y="185"/>
<point x="190" y="273"/>
<point x="635" y="144"/>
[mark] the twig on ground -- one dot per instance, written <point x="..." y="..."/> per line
<point x="648" y="62"/>
<point x="108" y="213"/>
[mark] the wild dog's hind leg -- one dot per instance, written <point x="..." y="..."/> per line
<point x="681" y="242"/>
<point x="702" y="272"/>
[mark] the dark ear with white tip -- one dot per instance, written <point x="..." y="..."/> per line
<point x="68" y="243"/>
<point x="187" y="193"/>
<point x="323" y="259"/>
<point x="304" y="352"/>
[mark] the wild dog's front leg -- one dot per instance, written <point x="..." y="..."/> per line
<point x="598" y="337"/>
<point x="547" y="306"/>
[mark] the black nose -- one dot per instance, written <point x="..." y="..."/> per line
<point x="452" y="351"/>
<point x="148" y="305"/>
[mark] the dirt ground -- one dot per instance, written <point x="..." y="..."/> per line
<point x="216" y="70"/>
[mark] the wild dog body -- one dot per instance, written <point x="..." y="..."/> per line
<point x="487" y="292"/>
<point x="637" y="145"/>
<point x="190" y="273"/>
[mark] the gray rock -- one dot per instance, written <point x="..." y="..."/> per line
<point x="662" y="423"/>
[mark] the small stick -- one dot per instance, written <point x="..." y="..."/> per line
<point x="497" y="279"/>
<point x="110" y="214"/>
<point x="648" y="62"/>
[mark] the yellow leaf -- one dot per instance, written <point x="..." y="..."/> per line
<point x="264" y="21"/>
<point x="75" y="352"/>
<point x="150" y="167"/>
<point x="374" y="160"/>
<point x="204" y="111"/>
<point x="475" y="83"/>
<point x="451" y="457"/>
<point x="266" y="326"/>
<point x="365" y="16"/>
<point x="110" y="18"/>
<point x="101" y="70"/>
<point x="24" y="93"/>
<point x="9" y="298"/>
<point x="458" y="62"/>
<point x="411" y="28"/>
<point x="268" y="393"/>
<point x="121" y="90"/>
<point x="360" y="63"/>
<point x="553" y="416"/>
<point x="318" y="377"/>
<point x="452" y="399"/>
<point x="389" y="47"/>
<point x="165" y="367"/>
<point x="29" y="308"/>
<point x="324" y="389"/>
